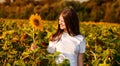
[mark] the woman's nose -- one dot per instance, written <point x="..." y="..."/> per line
<point x="60" y="22"/>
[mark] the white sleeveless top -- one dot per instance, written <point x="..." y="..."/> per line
<point x="69" y="47"/>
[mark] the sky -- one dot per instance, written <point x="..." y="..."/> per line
<point x="80" y="0"/>
<point x="74" y="0"/>
<point x="83" y="0"/>
<point x="2" y="1"/>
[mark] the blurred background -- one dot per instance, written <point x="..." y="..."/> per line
<point x="87" y="10"/>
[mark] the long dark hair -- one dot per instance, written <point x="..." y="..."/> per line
<point x="71" y="22"/>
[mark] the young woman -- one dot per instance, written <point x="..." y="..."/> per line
<point x="68" y="39"/>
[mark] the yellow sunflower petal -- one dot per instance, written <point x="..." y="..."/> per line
<point x="36" y="22"/>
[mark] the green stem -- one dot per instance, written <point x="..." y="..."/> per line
<point x="105" y="60"/>
<point x="94" y="55"/>
<point x="33" y="35"/>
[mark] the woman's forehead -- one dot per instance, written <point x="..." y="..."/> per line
<point x="61" y="17"/>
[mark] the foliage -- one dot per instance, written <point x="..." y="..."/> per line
<point x="92" y="10"/>
<point x="16" y="41"/>
<point x="102" y="40"/>
<point x="3" y="13"/>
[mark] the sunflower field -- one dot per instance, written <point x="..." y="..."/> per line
<point x="24" y="43"/>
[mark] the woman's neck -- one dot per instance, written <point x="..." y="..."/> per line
<point x="65" y="31"/>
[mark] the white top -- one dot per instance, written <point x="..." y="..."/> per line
<point x="69" y="47"/>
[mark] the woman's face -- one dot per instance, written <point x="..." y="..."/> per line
<point x="62" y="23"/>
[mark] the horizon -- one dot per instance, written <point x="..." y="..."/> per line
<point x="1" y="1"/>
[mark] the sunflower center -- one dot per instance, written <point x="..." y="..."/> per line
<point x="36" y="22"/>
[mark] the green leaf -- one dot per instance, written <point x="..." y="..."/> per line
<point x="56" y="53"/>
<point x="19" y="62"/>
<point x="25" y="53"/>
<point x="95" y="62"/>
<point x="8" y="64"/>
<point x="104" y="64"/>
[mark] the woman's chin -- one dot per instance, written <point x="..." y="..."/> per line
<point x="61" y="28"/>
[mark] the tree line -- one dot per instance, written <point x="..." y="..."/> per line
<point x="92" y="10"/>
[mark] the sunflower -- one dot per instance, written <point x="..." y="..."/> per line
<point x="36" y="22"/>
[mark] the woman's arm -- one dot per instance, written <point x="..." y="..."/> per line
<point x="80" y="59"/>
<point x="51" y="47"/>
